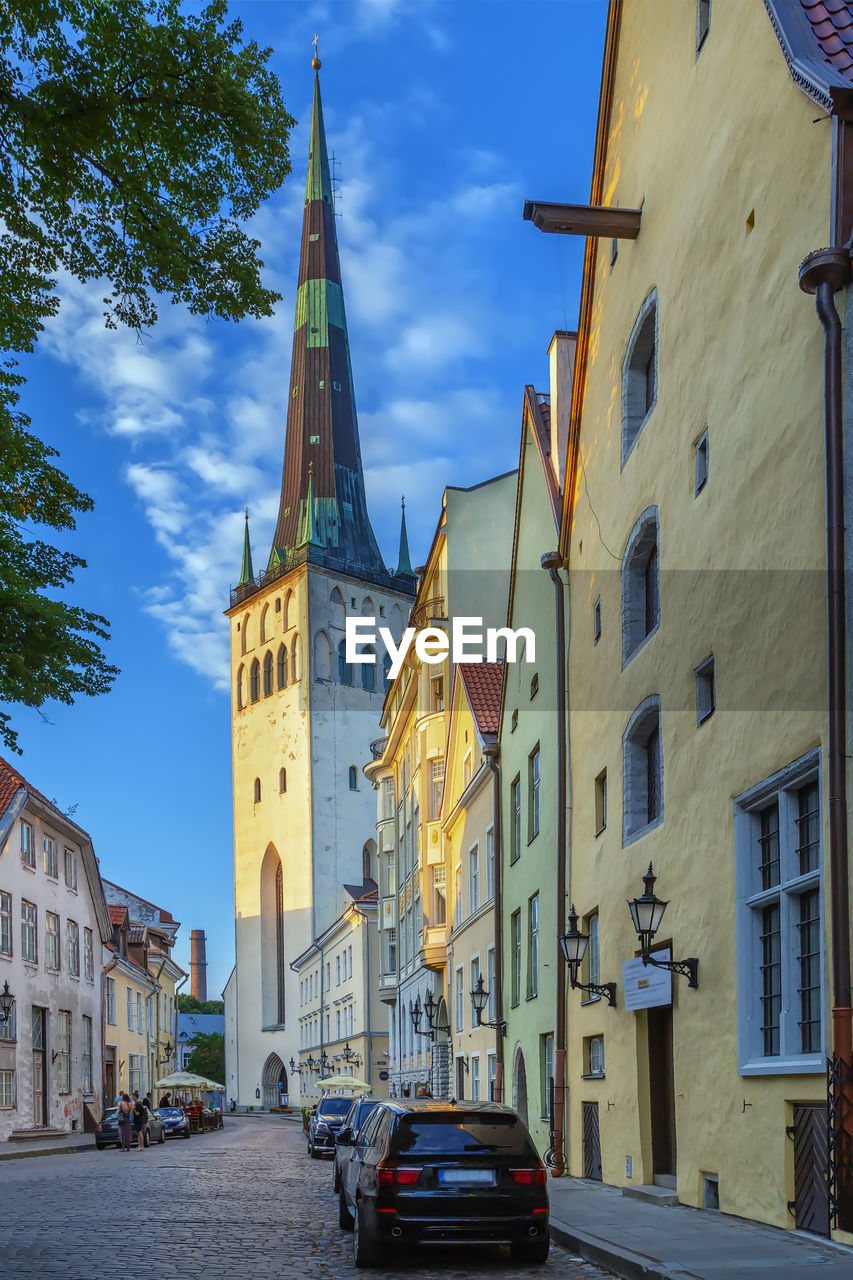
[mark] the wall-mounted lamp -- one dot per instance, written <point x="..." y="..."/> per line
<point x="573" y="945"/>
<point x="430" y="1008"/>
<point x="479" y="999"/>
<point x="6" y="1002"/>
<point x="647" y="913"/>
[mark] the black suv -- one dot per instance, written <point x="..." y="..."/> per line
<point x="444" y="1172"/>
<point x="324" y="1125"/>
<point x="348" y="1134"/>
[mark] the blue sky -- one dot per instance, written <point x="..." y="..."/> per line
<point x="445" y="117"/>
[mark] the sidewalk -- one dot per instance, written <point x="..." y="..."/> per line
<point x="639" y="1241"/>
<point x="70" y="1145"/>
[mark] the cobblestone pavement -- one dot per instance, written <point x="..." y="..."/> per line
<point x="245" y="1201"/>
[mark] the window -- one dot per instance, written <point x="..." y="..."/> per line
<point x="601" y="802"/>
<point x="28" y="849"/>
<point x="778" y="833"/>
<point x="546" y="1073"/>
<point x="72" y="944"/>
<point x="267" y="673"/>
<point x="391" y="951"/>
<point x="515" y="934"/>
<point x="457" y="904"/>
<point x="706" y="690"/>
<point x="467" y="769"/>
<point x="701" y="449"/>
<point x="491" y="985"/>
<point x="149" y="1011"/>
<point x="639" y="375"/>
<point x="437" y="693"/>
<point x="368" y="673"/>
<point x="596" y="621"/>
<point x="436" y="786"/>
<point x="139" y="1027"/>
<point x="86" y="1055"/>
<point x="5" y="924"/>
<point x="257" y="791"/>
<point x="8" y="1029"/>
<point x="515" y="815"/>
<point x="130" y="1008"/>
<point x="643" y="771"/>
<point x="51" y="940"/>
<point x="593" y="964"/>
<point x="344" y="667"/>
<point x="513" y="724"/>
<point x="475" y="977"/>
<point x="460" y="999"/>
<point x="534" y="685"/>
<point x="640" y="584"/>
<point x="353" y="778"/>
<point x="533" y="776"/>
<point x="439" y="898"/>
<point x="29" y="924"/>
<point x="134" y="1072"/>
<point x="474" y="879"/>
<point x="349" y="961"/>
<point x="111" y="1002"/>
<point x="7" y="1089"/>
<point x="282" y="781"/>
<point x="593" y="1055"/>
<point x="51" y="858"/>
<point x="475" y="1077"/>
<point x="703" y="23"/>
<point x="533" y="946"/>
<point x="490" y="863"/>
<point x="63" y="1056"/>
<point x="240" y="686"/>
<point x="492" y="1072"/>
<point x="337" y="971"/>
<point x="388" y="798"/>
<point x="281" y="667"/>
<point x="71" y="868"/>
<point x="255" y="681"/>
<point x="88" y="955"/>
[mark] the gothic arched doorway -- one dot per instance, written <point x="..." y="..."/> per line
<point x="274" y="1082"/>
<point x="519" y="1084"/>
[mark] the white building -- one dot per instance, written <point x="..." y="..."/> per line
<point x="54" y="923"/>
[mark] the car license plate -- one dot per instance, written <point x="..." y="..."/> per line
<point x="466" y="1177"/>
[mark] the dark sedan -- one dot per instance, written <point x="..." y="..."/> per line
<point x="107" y="1134"/>
<point x="325" y="1124"/>
<point x="431" y="1172"/>
<point x="176" y="1122"/>
<point x="348" y="1135"/>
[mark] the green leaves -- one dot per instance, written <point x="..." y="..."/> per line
<point x="135" y="138"/>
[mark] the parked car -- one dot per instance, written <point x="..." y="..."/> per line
<point x="349" y="1131"/>
<point x="435" y="1172"/>
<point x="325" y="1124"/>
<point x="107" y="1134"/>
<point x="176" y="1122"/>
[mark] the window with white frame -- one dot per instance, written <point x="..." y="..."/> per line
<point x="533" y="946"/>
<point x="475" y="1077"/>
<point x="72" y="947"/>
<point x="8" y="1029"/>
<point x="86" y="1054"/>
<point x="388" y="798"/>
<point x="28" y="848"/>
<point x="51" y="858"/>
<point x="640" y="374"/>
<point x="515" y="816"/>
<point x="460" y="999"/>
<point x="391" y="951"/>
<point x="439" y="896"/>
<point x="70" y="868"/>
<point x="491" y="1072"/>
<point x="349" y="961"/>
<point x="337" y="971"/>
<point x="474" y="879"/>
<point x="515" y="933"/>
<point x="51" y="940"/>
<point x="149" y="1010"/>
<point x="594" y="1055"/>
<point x="642" y="771"/>
<point x="130" y="1008"/>
<point x="490" y="863"/>
<point x="29" y="925"/>
<point x="778" y="859"/>
<point x="88" y="955"/>
<point x="492" y="983"/>
<point x="111" y="1002"/>
<point x="63" y="1057"/>
<point x="546" y="1068"/>
<point x="457" y="905"/>
<point x="134" y="1072"/>
<point x="5" y="924"/>
<point x="534" y="768"/>
<point x="640" y="584"/>
<point x="436" y="786"/>
<point x="7" y="1090"/>
<point x="467" y="768"/>
<point x="475" y="977"/>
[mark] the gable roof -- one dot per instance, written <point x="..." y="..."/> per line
<point x="817" y="40"/>
<point x="11" y="782"/>
<point x="483" y="681"/>
<point x="118" y="915"/>
<point x="165" y="917"/>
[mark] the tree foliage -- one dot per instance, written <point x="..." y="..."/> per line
<point x="136" y="137"/>
<point x="208" y="1056"/>
<point x="189" y="1004"/>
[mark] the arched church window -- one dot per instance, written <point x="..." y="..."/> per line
<point x="267" y="673"/>
<point x="294" y="659"/>
<point x="365" y="862"/>
<point x="244" y="635"/>
<point x="255" y="681"/>
<point x="337" y="612"/>
<point x="257" y="791"/>
<point x="288" y="610"/>
<point x="279" y="939"/>
<point x="344" y="667"/>
<point x="353" y="778"/>
<point x="386" y="670"/>
<point x="368" y="672"/>
<point x="281" y="667"/>
<point x="322" y="657"/>
<point x="241" y="687"/>
<point x="263" y="633"/>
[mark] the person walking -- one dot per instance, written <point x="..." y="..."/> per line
<point x="140" y="1115"/>
<point x="125" y="1120"/>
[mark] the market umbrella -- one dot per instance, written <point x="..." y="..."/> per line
<point x="185" y="1080"/>
<point x="344" y="1082"/>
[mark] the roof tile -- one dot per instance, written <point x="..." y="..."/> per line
<point x="831" y="22"/>
<point x="483" y="681"/>
<point x="11" y="781"/>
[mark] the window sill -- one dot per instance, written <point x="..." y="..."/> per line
<point x="532" y="838"/>
<point x="707" y="716"/>
<point x="27" y="866"/>
<point x="600" y="830"/>
<point x="513" y="861"/>
<point x="631" y="837"/>
<point x="589" y="1000"/>
<point x="593" y="1075"/>
<point x="533" y="996"/>
<point x="811" y="1064"/>
<point x="638" y="648"/>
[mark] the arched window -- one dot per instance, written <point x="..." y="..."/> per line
<point x="255" y="681"/>
<point x="263" y="632"/>
<point x="368" y="608"/>
<point x="241" y="687"/>
<point x="640" y="374"/>
<point x="642" y="770"/>
<point x="640" y="584"/>
<point x="386" y="670"/>
<point x="367" y="861"/>
<point x="353" y="778"/>
<point x="267" y="673"/>
<point x="337" y="610"/>
<point x="344" y="667"/>
<point x="288" y="610"/>
<point x="282" y="781"/>
<point x="294" y="659"/>
<point x="279" y="940"/>
<point x="244" y="634"/>
<point x="368" y="672"/>
<point x="281" y="667"/>
<point x="257" y="791"/>
<point x="322" y="657"/>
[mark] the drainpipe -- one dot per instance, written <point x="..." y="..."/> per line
<point x="551" y="562"/>
<point x="823" y="273"/>
<point x="491" y="752"/>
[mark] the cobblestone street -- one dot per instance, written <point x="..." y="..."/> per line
<point x="243" y="1202"/>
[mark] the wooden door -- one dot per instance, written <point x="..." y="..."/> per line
<point x="810" y="1133"/>
<point x="39" y="1068"/>
<point x="591" y="1142"/>
<point x="662" y="1090"/>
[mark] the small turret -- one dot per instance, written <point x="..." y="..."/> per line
<point x="246" y="572"/>
<point x="404" y="561"/>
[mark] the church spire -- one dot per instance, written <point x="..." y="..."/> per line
<point x="404" y="560"/>
<point x="246" y="574"/>
<point x="322" y="457"/>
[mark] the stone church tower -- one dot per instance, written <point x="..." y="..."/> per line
<point x="302" y="719"/>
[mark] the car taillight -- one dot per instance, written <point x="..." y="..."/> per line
<point x="529" y="1177"/>
<point x="388" y="1176"/>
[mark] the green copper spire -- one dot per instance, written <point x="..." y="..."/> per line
<point x="404" y="562"/>
<point x="246" y="572"/>
<point x="310" y="534"/>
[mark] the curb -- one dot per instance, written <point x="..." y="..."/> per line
<point x="613" y="1258"/>
<point x="76" y="1149"/>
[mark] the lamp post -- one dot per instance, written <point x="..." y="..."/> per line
<point x="6" y="1002"/>
<point x="167" y="1052"/>
<point x="349" y="1055"/>
<point x="295" y="1068"/>
<point x="647" y="914"/>
<point x="573" y="945"/>
<point x="479" y="999"/>
<point x="430" y="1008"/>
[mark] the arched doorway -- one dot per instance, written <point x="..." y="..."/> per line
<point x="274" y="1082"/>
<point x="519" y="1084"/>
<point x="441" y="1084"/>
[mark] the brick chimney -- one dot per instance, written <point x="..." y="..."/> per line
<point x="198" y="964"/>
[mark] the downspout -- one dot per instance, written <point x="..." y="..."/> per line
<point x="823" y="273"/>
<point x="551" y="562"/>
<point x="491" y="751"/>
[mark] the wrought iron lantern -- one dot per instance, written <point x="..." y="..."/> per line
<point x="6" y="1002"/>
<point x="647" y="914"/>
<point x="479" y="999"/>
<point x="573" y="945"/>
<point x="430" y="1008"/>
<point x="348" y="1054"/>
<point x="296" y="1068"/>
<point x="167" y="1051"/>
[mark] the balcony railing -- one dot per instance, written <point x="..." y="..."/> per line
<point x="421" y="615"/>
<point x="313" y="555"/>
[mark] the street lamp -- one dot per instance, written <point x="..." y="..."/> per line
<point x="167" y="1052"/>
<point x="647" y="914"/>
<point x="479" y="999"/>
<point x="348" y="1054"/>
<point x="295" y="1068"/>
<point x="573" y="945"/>
<point x="430" y="1008"/>
<point x="6" y="1002"/>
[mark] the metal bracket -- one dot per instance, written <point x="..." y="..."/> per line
<point x="498" y="1025"/>
<point x="607" y="989"/>
<point x="688" y="969"/>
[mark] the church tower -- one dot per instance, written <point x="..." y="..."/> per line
<point x="302" y="719"/>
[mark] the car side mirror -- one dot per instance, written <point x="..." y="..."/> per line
<point x="344" y="1138"/>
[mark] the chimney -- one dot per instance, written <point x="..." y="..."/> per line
<point x="198" y="964"/>
<point x="561" y="357"/>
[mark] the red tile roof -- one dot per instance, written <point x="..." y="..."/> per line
<point x="483" y="682"/>
<point x="118" y="915"/>
<point x="832" y="26"/>
<point x="11" y="781"/>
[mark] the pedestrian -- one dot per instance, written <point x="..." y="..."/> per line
<point x="423" y="1091"/>
<point x="146" y="1102"/>
<point x="166" y="1100"/>
<point x="140" y="1117"/>
<point x="233" y="1105"/>
<point x="125" y="1120"/>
